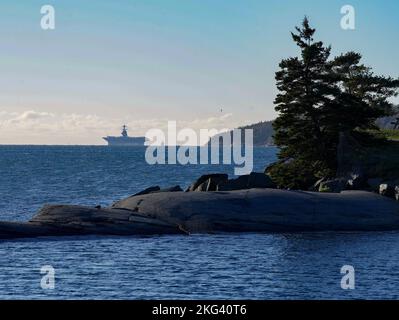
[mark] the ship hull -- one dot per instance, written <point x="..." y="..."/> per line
<point x="125" y="141"/>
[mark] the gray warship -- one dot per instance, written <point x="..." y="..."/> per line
<point x="124" y="139"/>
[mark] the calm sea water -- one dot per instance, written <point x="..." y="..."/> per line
<point x="247" y="266"/>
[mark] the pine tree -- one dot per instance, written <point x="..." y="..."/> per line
<point x="305" y="88"/>
<point x="320" y="98"/>
<point x="363" y="96"/>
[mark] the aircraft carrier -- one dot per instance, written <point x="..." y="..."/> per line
<point x="124" y="139"/>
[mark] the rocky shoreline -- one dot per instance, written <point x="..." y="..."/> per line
<point x="215" y="204"/>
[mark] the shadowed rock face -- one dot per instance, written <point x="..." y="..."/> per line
<point x="268" y="210"/>
<point x="254" y="210"/>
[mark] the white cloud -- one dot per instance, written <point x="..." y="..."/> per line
<point x="32" y="115"/>
<point x="36" y="127"/>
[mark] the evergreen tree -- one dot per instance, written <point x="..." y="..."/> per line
<point x="319" y="98"/>
<point x="305" y="87"/>
<point x="363" y="96"/>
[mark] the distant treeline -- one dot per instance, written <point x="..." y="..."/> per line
<point x="263" y="131"/>
<point x="386" y="122"/>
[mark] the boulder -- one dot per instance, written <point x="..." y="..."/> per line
<point x="333" y="186"/>
<point x="357" y="182"/>
<point x="158" y="189"/>
<point x="214" y="180"/>
<point x="148" y="190"/>
<point x="387" y="190"/>
<point x="260" y="180"/>
<point x="171" y="189"/>
<point x="251" y="181"/>
<point x="241" y="183"/>
<point x="203" y="187"/>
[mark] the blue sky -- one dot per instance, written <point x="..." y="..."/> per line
<point x="145" y="62"/>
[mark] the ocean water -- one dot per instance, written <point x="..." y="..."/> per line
<point x="234" y="266"/>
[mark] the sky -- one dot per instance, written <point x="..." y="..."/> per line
<point x="203" y="63"/>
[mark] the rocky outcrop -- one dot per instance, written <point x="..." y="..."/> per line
<point x="63" y="220"/>
<point x="268" y="210"/>
<point x="253" y="210"/>
<point x="220" y="182"/>
<point x="208" y="182"/>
